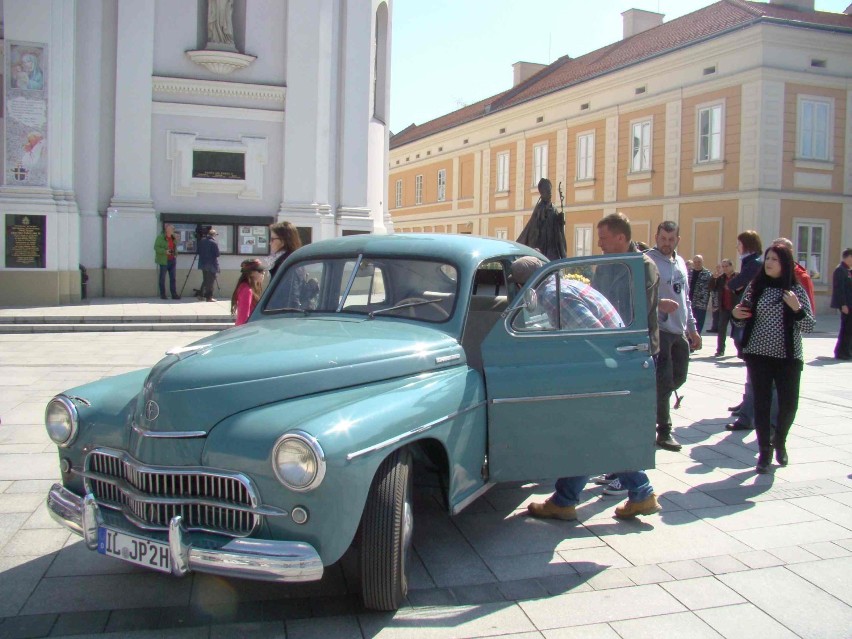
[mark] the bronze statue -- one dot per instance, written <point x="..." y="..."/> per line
<point x="545" y="231"/>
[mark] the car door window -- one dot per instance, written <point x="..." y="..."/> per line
<point x="577" y="298"/>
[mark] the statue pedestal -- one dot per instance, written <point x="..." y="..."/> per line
<point x="220" y="61"/>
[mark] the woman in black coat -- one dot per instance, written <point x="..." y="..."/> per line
<point x="283" y="240"/>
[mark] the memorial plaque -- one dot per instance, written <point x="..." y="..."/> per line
<point x="218" y="165"/>
<point x="25" y="241"/>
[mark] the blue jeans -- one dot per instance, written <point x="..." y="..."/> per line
<point x="746" y="415"/>
<point x="568" y="489"/>
<point x="168" y="267"/>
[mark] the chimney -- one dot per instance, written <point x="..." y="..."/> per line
<point x="524" y="70"/>
<point x="798" y="5"/>
<point x="638" y="20"/>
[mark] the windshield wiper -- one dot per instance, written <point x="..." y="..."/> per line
<point x="372" y="314"/>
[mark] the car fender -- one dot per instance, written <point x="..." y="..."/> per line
<point x="357" y="428"/>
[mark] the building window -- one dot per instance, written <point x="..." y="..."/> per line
<point x="641" y="147"/>
<point x="539" y="163"/>
<point x="398" y="193"/>
<point x="502" y="172"/>
<point x="814" y="128"/>
<point x="582" y="241"/>
<point x="418" y="189"/>
<point x="586" y="156"/>
<point x="811" y="237"/>
<point x="501" y="233"/>
<point x="710" y="134"/>
<point x="442" y="185"/>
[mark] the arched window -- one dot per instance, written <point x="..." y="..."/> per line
<point x="380" y="64"/>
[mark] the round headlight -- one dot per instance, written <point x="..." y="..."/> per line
<point x="60" y="419"/>
<point x="298" y="461"/>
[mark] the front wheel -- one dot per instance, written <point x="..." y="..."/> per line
<point x="386" y="532"/>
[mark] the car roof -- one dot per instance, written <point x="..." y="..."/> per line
<point x="460" y="249"/>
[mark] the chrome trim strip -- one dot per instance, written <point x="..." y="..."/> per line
<point x="410" y="433"/>
<point x="479" y="492"/>
<point x="178" y="434"/>
<point x="552" y="398"/>
<point x="261" y="559"/>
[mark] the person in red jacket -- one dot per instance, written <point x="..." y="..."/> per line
<point x="248" y="290"/>
<point x="801" y="273"/>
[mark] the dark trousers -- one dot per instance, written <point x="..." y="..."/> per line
<point x="700" y="314"/>
<point x="169" y="268"/>
<point x="714" y="324"/>
<point x="843" y="348"/>
<point x="724" y="320"/>
<point x="672" y="367"/>
<point x="785" y="374"/>
<point x="207" y="279"/>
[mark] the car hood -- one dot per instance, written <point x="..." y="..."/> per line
<point x="268" y="361"/>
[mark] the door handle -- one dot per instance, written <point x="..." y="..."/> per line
<point x="632" y="347"/>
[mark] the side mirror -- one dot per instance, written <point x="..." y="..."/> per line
<point x="530" y="300"/>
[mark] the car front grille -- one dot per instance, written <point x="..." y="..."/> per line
<point x="150" y="496"/>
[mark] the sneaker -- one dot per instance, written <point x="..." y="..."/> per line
<point x="615" y="488"/>
<point x="603" y="480"/>
<point x="549" y="510"/>
<point x="629" y="509"/>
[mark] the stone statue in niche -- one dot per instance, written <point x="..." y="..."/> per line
<point x="220" y="25"/>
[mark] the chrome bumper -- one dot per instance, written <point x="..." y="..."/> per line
<point x="245" y="558"/>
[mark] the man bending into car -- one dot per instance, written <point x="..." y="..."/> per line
<point x="591" y="310"/>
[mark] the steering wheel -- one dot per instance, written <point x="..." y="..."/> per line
<point x="422" y="301"/>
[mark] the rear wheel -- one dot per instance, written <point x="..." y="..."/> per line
<point x="386" y="533"/>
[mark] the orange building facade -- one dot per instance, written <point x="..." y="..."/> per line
<point x="745" y="127"/>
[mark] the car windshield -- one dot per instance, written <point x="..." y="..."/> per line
<point x="417" y="289"/>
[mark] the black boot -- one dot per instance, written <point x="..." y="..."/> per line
<point x="781" y="456"/>
<point x="764" y="459"/>
<point x="779" y="441"/>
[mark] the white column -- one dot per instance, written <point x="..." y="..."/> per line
<point x="308" y="117"/>
<point x="521" y="181"/>
<point x="611" y="160"/>
<point x="454" y="194"/>
<point x="131" y="219"/>
<point x="671" y="180"/>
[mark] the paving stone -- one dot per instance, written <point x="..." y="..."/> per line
<point x="593" y="560"/>
<point x="432" y="597"/>
<point x="577" y="609"/>
<point x="560" y="584"/>
<point x="79" y="623"/>
<point x="784" y="490"/>
<point x="27" y="626"/>
<point x="32" y="486"/>
<point x="76" y="560"/>
<point x="747" y="516"/>
<point x="685" y="569"/>
<point x="455" y="622"/>
<point x="522" y="589"/>
<point x="682" y="624"/>
<point x="338" y="627"/>
<point x="4" y="486"/>
<point x="692" y="499"/>
<point x="594" y="631"/>
<point x="844" y="543"/>
<point x="649" y="574"/>
<point x="20" y="577"/>
<point x="758" y="559"/>
<point x="793" y="601"/>
<point x="610" y="578"/>
<point x="703" y="592"/>
<point x="793" y="554"/>
<point x="19" y="503"/>
<point x="269" y="629"/>
<point x="478" y="594"/>
<point x="529" y="566"/>
<point x="832" y="575"/>
<point x="785" y="535"/>
<point x="741" y="621"/>
<point x="827" y="550"/>
<point x="832" y="508"/>
<point x="722" y="564"/>
<point x="39" y="541"/>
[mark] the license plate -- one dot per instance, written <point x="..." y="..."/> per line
<point x="136" y="550"/>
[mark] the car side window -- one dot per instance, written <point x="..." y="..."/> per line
<point x="575" y="298"/>
<point x="368" y="287"/>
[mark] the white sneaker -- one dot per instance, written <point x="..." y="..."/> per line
<point x="602" y="480"/>
<point x="615" y="489"/>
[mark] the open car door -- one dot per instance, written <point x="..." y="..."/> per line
<point x="569" y="376"/>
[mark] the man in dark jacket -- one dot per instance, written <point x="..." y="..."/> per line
<point x="841" y="298"/>
<point x="208" y="263"/>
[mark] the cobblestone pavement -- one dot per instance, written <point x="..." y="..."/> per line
<point x="732" y="554"/>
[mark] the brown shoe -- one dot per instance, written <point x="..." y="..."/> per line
<point x="549" y="510"/>
<point x="629" y="509"/>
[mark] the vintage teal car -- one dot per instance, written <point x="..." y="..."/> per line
<point x="266" y="450"/>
